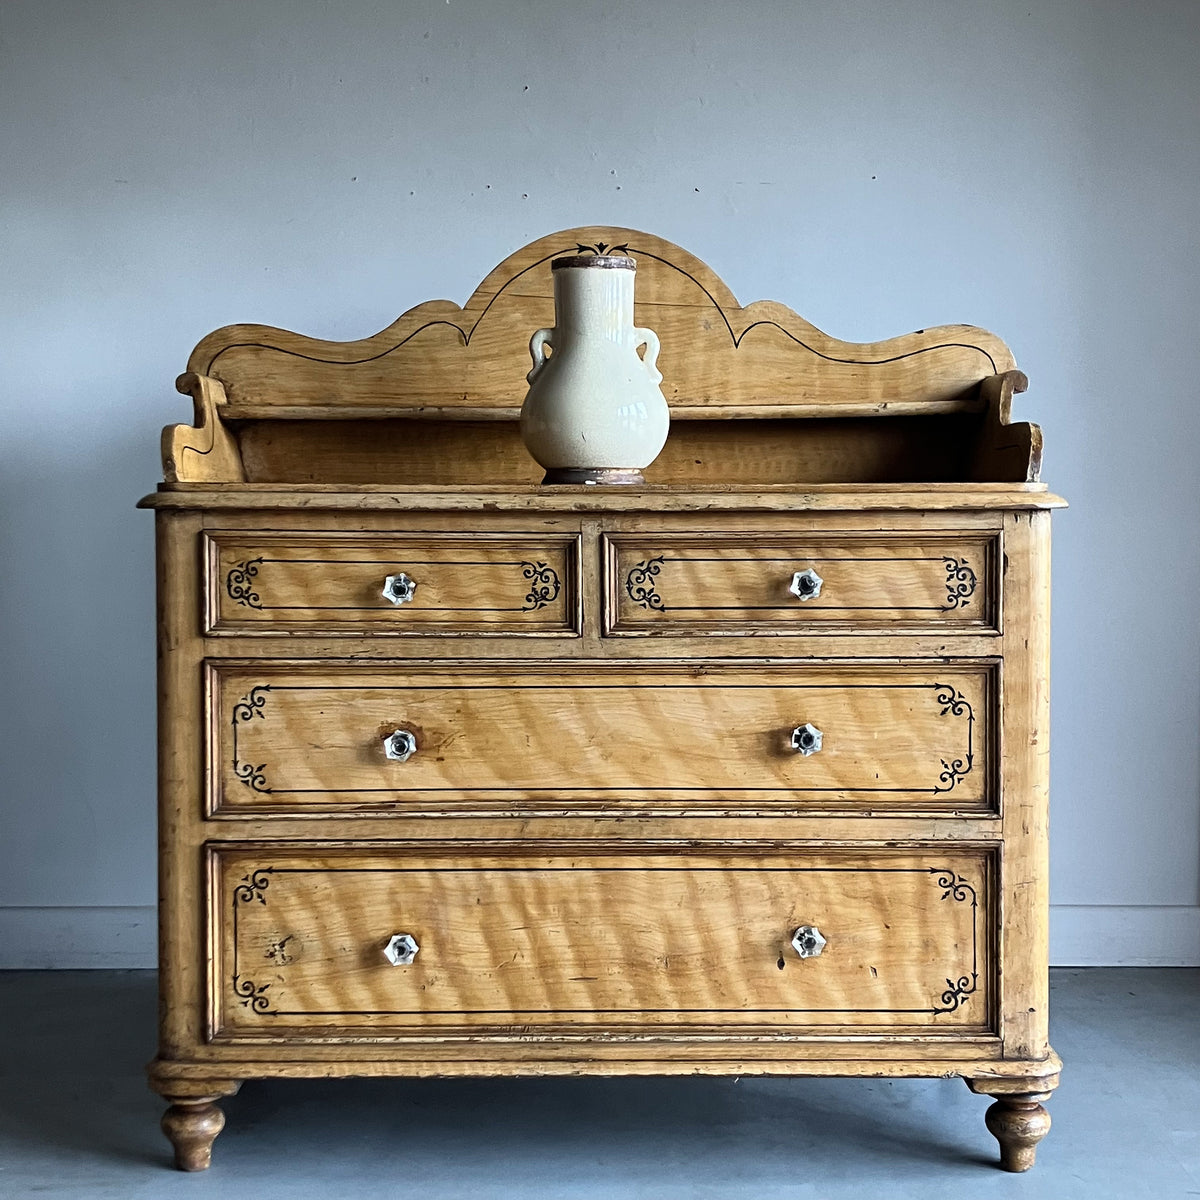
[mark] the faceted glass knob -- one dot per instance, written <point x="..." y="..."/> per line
<point x="401" y="949"/>
<point x="806" y="739"/>
<point x="807" y="941"/>
<point x="806" y="584"/>
<point x="401" y="745"/>
<point x="399" y="589"/>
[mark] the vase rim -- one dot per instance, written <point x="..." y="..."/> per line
<point x="611" y="262"/>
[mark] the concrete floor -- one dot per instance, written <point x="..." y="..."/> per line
<point x="76" y="1118"/>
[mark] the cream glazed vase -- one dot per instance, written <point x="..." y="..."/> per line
<point x="594" y="412"/>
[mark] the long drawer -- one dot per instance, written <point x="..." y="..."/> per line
<point x="650" y="737"/>
<point x="402" y="583"/>
<point x="393" y="941"/>
<point x="757" y="583"/>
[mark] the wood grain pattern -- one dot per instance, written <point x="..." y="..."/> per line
<point x="207" y="451"/>
<point x="603" y="843"/>
<point x="945" y="393"/>
<point x="474" y="583"/>
<point x="674" y="583"/>
<point x="192" y="1128"/>
<point x="896" y="1056"/>
<point x="1025" y="737"/>
<point x="828" y="498"/>
<point x="413" y="451"/>
<point x="628" y="942"/>
<point x="1006" y="450"/>
<point x="716" y="354"/>
<point x="658" y="737"/>
<point x="1018" y="1123"/>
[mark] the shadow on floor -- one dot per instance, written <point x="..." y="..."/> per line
<point x="80" y="1087"/>
<point x="79" y="1121"/>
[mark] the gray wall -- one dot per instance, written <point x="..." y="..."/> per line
<point x="172" y="167"/>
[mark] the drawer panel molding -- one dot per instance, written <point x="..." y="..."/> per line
<point x="402" y="584"/>
<point x="673" y="583"/>
<point x="638" y="940"/>
<point x="546" y="738"/>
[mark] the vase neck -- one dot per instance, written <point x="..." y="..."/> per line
<point x="594" y="302"/>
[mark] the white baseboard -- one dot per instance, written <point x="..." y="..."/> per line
<point x="78" y="938"/>
<point x="1128" y="935"/>
<point x="126" y="938"/>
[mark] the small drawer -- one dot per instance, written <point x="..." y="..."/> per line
<point x="426" y="584"/>
<point x="547" y="738"/>
<point x="673" y="583"/>
<point x="328" y="944"/>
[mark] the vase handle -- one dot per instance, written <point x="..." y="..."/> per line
<point x="537" y="353"/>
<point x="649" y="339"/>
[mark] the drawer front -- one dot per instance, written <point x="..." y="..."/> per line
<point x="828" y="583"/>
<point x="594" y="939"/>
<point x="335" y="583"/>
<point x="594" y="737"/>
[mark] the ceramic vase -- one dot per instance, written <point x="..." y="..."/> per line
<point x="594" y="412"/>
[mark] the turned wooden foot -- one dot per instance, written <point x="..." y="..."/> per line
<point x="1018" y="1123"/>
<point x="192" y="1126"/>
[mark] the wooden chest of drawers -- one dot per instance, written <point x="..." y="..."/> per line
<point x="742" y="771"/>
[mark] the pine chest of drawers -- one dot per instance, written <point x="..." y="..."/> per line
<point x="740" y="771"/>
